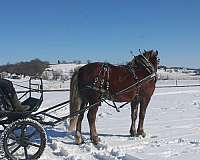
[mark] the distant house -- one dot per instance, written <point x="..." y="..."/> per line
<point x="197" y="72"/>
<point x="14" y="76"/>
<point x="47" y="74"/>
<point x="4" y="75"/>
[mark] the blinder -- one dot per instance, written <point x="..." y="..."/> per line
<point x="145" y="63"/>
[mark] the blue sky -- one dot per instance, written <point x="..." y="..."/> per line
<point x="103" y="30"/>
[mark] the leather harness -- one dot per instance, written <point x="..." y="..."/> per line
<point x="101" y="83"/>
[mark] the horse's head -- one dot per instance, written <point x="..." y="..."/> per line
<point x="152" y="57"/>
<point x="148" y="60"/>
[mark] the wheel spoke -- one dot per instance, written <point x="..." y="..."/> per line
<point x="23" y="130"/>
<point x="32" y="144"/>
<point x="26" y="153"/>
<point x="32" y="134"/>
<point x="15" y="149"/>
<point x="23" y="127"/>
<point x="13" y="137"/>
<point x="11" y="144"/>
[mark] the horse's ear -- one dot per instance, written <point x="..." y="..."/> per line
<point x="131" y="52"/>
<point x="156" y="53"/>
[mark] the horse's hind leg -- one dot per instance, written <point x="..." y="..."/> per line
<point x="143" y="106"/>
<point x="134" y="112"/>
<point x="78" y="136"/>
<point x="91" y="119"/>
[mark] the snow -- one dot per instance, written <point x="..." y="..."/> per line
<point x="177" y="74"/>
<point x="62" y="71"/>
<point x="172" y="125"/>
<point x="66" y="68"/>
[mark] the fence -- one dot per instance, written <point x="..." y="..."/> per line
<point x="176" y="85"/>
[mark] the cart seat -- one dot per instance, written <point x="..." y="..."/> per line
<point x="34" y="103"/>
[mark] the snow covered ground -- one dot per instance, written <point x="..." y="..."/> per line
<point x="172" y="125"/>
<point x="179" y="74"/>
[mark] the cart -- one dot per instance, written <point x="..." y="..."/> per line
<point x="23" y="136"/>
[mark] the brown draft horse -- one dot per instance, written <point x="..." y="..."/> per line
<point x="96" y="80"/>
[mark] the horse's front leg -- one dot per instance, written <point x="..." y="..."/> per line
<point x="91" y="119"/>
<point x="134" y="111"/>
<point x="143" y="106"/>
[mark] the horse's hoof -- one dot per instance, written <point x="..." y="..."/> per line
<point x="133" y="133"/>
<point x="143" y="134"/>
<point x="79" y="140"/>
<point x="95" y="140"/>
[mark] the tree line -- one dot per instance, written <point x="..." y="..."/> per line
<point x="34" y="67"/>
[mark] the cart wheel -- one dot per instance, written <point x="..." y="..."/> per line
<point x="24" y="139"/>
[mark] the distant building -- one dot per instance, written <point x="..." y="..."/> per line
<point x="14" y="76"/>
<point x="47" y="74"/>
<point x="4" y="75"/>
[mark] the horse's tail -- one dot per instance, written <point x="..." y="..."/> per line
<point x="75" y="100"/>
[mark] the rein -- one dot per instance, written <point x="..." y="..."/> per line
<point x="148" y="66"/>
<point x="138" y="83"/>
<point x="104" y="92"/>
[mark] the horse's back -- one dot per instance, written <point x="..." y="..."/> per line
<point x="89" y="71"/>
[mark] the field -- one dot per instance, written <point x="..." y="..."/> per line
<point x="172" y="125"/>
